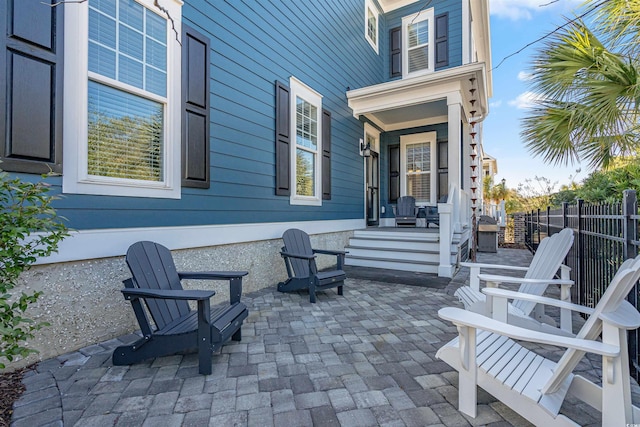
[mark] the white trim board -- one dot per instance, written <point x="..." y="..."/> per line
<point x="91" y="244"/>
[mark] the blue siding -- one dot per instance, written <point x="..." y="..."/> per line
<point x="253" y="44"/>
<point x="393" y="19"/>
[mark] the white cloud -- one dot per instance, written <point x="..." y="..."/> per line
<point x="524" y="76"/>
<point x="525" y="100"/>
<point x="525" y="9"/>
<point x="495" y="104"/>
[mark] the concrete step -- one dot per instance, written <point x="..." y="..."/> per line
<point x="406" y="236"/>
<point x="392" y="264"/>
<point x="416" y="250"/>
<point x="409" y="254"/>
<point x="393" y="244"/>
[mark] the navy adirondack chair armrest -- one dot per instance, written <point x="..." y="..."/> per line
<point x="329" y="252"/>
<point x="194" y="295"/>
<point x="288" y="254"/>
<point x="234" y="278"/>
<point x="211" y="275"/>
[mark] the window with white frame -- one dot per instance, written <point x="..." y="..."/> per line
<point x="418" y="166"/>
<point x="122" y="125"/>
<point x="418" y="43"/>
<point x="306" y="126"/>
<point x="371" y="24"/>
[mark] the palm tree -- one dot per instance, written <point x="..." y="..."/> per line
<point x="588" y="89"/>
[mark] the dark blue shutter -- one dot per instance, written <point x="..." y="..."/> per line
<point x="283" y="140"/>
<point x="195" y="109"/>
<point x="326" y="155"/>
<point x="442" y="40"/>
<point x="395" y="52"/>
<point x="394" y="173"/>
<point x="31" y="52"/>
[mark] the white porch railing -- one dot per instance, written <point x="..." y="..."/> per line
<point x="453" y="217"/>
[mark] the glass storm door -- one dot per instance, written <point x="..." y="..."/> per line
<point x="373" y="182"/>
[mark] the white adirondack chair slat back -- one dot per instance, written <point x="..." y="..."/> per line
<point x="545" y="263"/>
<point x="612" y="300"/>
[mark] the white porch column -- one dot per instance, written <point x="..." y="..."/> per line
<point x="455" y="132"/>
<point x="445" y="268"/>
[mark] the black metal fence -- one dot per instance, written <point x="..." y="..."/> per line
<point x="605" y="236"/>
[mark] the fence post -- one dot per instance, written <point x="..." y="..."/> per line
<point x="548" y="220"/>
<point x="565" y="213"/>
<point x="629" y="209"/>
<point x="538" y="226"/>
<point x="580" y="255"/>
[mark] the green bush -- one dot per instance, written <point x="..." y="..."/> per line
<point x="29" y="228"/>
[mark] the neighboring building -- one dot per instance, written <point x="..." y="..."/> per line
<point x="213" y="126"/>
<point x="489" y="166"/>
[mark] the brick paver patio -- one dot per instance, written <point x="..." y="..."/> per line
<point x="365" y="359"/>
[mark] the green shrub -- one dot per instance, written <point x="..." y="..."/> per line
<point x="29" y="228"/>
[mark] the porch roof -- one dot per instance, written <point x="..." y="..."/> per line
<point x="422" y="100"/>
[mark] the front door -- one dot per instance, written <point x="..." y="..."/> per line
<point x="373" y="182"/>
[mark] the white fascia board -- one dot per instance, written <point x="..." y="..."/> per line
<point x="454" y="73"/>
<point x="104" y="243"/>
<point x="418" y="90"/>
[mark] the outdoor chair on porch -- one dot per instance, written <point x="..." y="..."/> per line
<point x="539" y="275"/>
<point x="300" y="261"/>
<point x="486" y="354"/>
<point x="155" y="288"/>
<point x="431" y="213"/>
<point x="406" y="212"/>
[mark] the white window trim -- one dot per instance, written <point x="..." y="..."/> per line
<point x="368" y="5"/>
<point x="428" y="15"/>
<point x="430" y="138"/>
<point x="76" y="75"/>
<point x="372" y="131"/>
<point x="301" y="90"/>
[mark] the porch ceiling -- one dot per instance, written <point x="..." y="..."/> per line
<point x="422" y="100"/>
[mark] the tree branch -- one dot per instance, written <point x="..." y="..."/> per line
<point x="173" y="24"/>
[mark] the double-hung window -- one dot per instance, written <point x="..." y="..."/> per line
<point x="306" y="128"/>
<point x="418" y="42"/>
<point x="371" y="24"/>
<point x="122" y="111"/>
<point x="418" y="166"/>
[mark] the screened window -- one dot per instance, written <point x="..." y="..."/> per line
<point x="371" y="25"/>
<point x="128" y="44"/>
<point x="306" y="126"/>
<point x="418" y="41"/>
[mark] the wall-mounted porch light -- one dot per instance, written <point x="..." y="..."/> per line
<point x="365" y="150"/>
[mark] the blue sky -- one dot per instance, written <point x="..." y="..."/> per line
<point x="514" y="24"/>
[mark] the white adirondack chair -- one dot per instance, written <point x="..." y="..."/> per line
<point x="486" y="354"/>
<point x="540" y="273"/>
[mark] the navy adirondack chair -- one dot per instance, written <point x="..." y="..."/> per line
<point x="406" y="212"/>
<point x="156" y="283"/>
<point x="432" y="215"/>
<point x="300" y="260"/>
